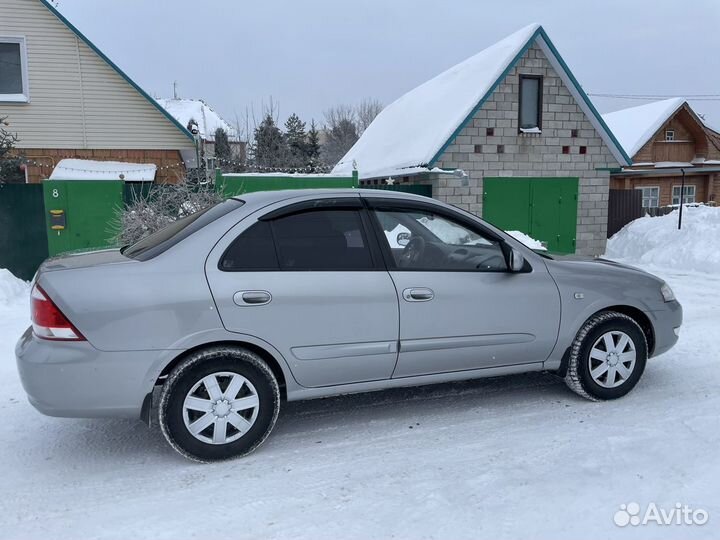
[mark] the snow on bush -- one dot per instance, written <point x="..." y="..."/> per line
<point x="12" y="289"/>
<point x="657" y="241"/>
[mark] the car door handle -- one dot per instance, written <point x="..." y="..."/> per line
<point x="252" y="298"/>
<point x="418" y="294"/>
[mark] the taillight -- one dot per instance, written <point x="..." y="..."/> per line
<point x="48" y="321"/>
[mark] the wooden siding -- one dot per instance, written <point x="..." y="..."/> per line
<point x="77" y="100"/>
<point x="665" y="183"/>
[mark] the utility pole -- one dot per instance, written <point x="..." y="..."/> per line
<point x="682" y="198"/>
<point x="175" y="90"/>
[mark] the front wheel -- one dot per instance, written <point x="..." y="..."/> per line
<point x="607" y="357"/>
<point x="218" y="404"/>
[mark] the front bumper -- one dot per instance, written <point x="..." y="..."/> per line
<point x="74" y="379"/>
<point x="666" y="324"/>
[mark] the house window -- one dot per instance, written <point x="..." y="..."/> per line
<point x="688" y="195"/>
<point x="650" y="196"/>
<point x="530" y="103"/>
<point x="13" y="70"/>
<point x="565" y="149"/>
<point x="669" y="135"/>
<point x="490" y="132"/>
<point x="574" y="133"/>
<point x="583" y="149"/>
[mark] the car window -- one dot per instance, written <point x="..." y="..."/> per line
<point x="159" y="242"/>
<point x="424" y="240"/>
<point x="322" y="240"/>
<point x="253" y="249"/>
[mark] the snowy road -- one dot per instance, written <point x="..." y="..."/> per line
<point x="501" y="458"/>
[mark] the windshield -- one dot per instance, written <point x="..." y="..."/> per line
<point x="162" y="240"/>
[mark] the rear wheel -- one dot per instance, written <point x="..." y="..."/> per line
<point x="607" y="357"/>
<point x="218" y="404"/>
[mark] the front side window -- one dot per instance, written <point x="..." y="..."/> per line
<point x="530" y="103"/>
<point x="13" y="70"/>
<point x="650" y="196"/>
<point x="322" y="240"/>
<point x="424" y="240"/>
<point x="688" y="195"/>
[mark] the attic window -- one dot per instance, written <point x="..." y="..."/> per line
<point x="530" y="103"/>
<point x="669" y="135"/>
<point x="13" y="70"/>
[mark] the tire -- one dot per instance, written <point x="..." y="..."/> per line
<point x="599" y="369"/>
<point x="227" y="395"/>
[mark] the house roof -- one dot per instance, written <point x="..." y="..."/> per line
<point x="635" y="126"/>
<point x="415" y="130"/>
<point x="208" y="120"/>
<point x="88" y="169"/>
<point x="119" y="71"/>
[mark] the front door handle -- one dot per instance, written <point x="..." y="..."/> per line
<point x="418" y="294"/>
<point x="252" y="298"/>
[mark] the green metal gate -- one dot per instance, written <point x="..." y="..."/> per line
<point x="544" y="208"/>
<point x="417" y="189"/>
<point x="81" y="214"/>
<point x="23" y="242"/>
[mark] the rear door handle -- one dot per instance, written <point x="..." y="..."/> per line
<point x="252" y="298"/>
<point x="418" y="294"/>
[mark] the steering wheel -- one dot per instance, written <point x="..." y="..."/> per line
<point x="413" y="252"/>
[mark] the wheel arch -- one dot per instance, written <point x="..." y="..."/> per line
<point x="266" y="355"/>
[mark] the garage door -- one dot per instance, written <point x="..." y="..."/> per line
<point x="544" y="208"/>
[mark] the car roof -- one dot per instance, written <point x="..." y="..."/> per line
<point x="269" y="197"/>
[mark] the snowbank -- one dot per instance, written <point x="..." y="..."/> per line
<point x="12" y="289"/>
<point x="657" y="241"/>
<point x="527" y="240"/>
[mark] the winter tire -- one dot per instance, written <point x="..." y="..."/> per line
<point x="219" y="403"/>
<point x="607" y="357"/>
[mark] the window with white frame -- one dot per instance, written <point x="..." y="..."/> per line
<point x="650" y="196"/>
<point x="688" y="194"/>
<point x="669" y="135"/>
<point x="13" y="70"/>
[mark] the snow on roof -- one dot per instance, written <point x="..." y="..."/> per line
<point x="635" y="126"/>
<point x="409" y="132"/>
<point x="87" y="169"/>
<point x="208" y="120"/>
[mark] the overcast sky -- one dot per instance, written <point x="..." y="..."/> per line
<point x="311" y="54"/>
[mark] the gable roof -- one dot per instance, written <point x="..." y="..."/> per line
<point x="184" y="110"/>
<point x="119" y="71"/>
<point x="415" y="130"/>
<point x="635" y="126"/>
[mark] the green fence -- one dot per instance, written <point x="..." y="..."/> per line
<point x="234" y="184"/>
<point x="23" y="236"/>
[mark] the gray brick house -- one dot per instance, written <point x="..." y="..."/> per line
<point x="508" y="135"/>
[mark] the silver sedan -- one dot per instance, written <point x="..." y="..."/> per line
<point x="211" y="323"/>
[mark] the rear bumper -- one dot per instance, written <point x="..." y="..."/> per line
<point x="74" y="379"/>
<point x="666" y="324"/>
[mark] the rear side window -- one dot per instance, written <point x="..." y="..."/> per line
<point x="322" y="240"/>
<point x="252" y="250"/>
<point x="159" y="242"/>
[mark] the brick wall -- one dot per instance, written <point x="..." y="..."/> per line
<point x="532" y="154"/>
<point x="48" y="158"/>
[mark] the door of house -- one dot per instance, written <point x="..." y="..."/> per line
<point x="544" y="208"/>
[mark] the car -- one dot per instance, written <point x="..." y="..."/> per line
<point x="210" y="324"/>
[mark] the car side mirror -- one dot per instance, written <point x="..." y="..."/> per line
<point x="403" y="239"/>
<point x="517" y="261"/>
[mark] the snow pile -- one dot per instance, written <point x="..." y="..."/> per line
<point x="527" y="240"/>
<point x="88" y="169"/>
<point x="12" y="289"/>
<point x="657" y="241"/>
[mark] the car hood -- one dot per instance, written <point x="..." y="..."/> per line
<point x="595" y="265"/>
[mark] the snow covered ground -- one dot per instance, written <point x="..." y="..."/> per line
<point x="514" y="457"/>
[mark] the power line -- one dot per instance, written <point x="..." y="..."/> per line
<point x="647" y="97"/>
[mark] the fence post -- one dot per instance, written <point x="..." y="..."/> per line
<point x="355" y="181"/>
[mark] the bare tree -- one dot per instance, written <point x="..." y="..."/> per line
<point x="366" y="111"/>
<point x="150" y="211"/>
